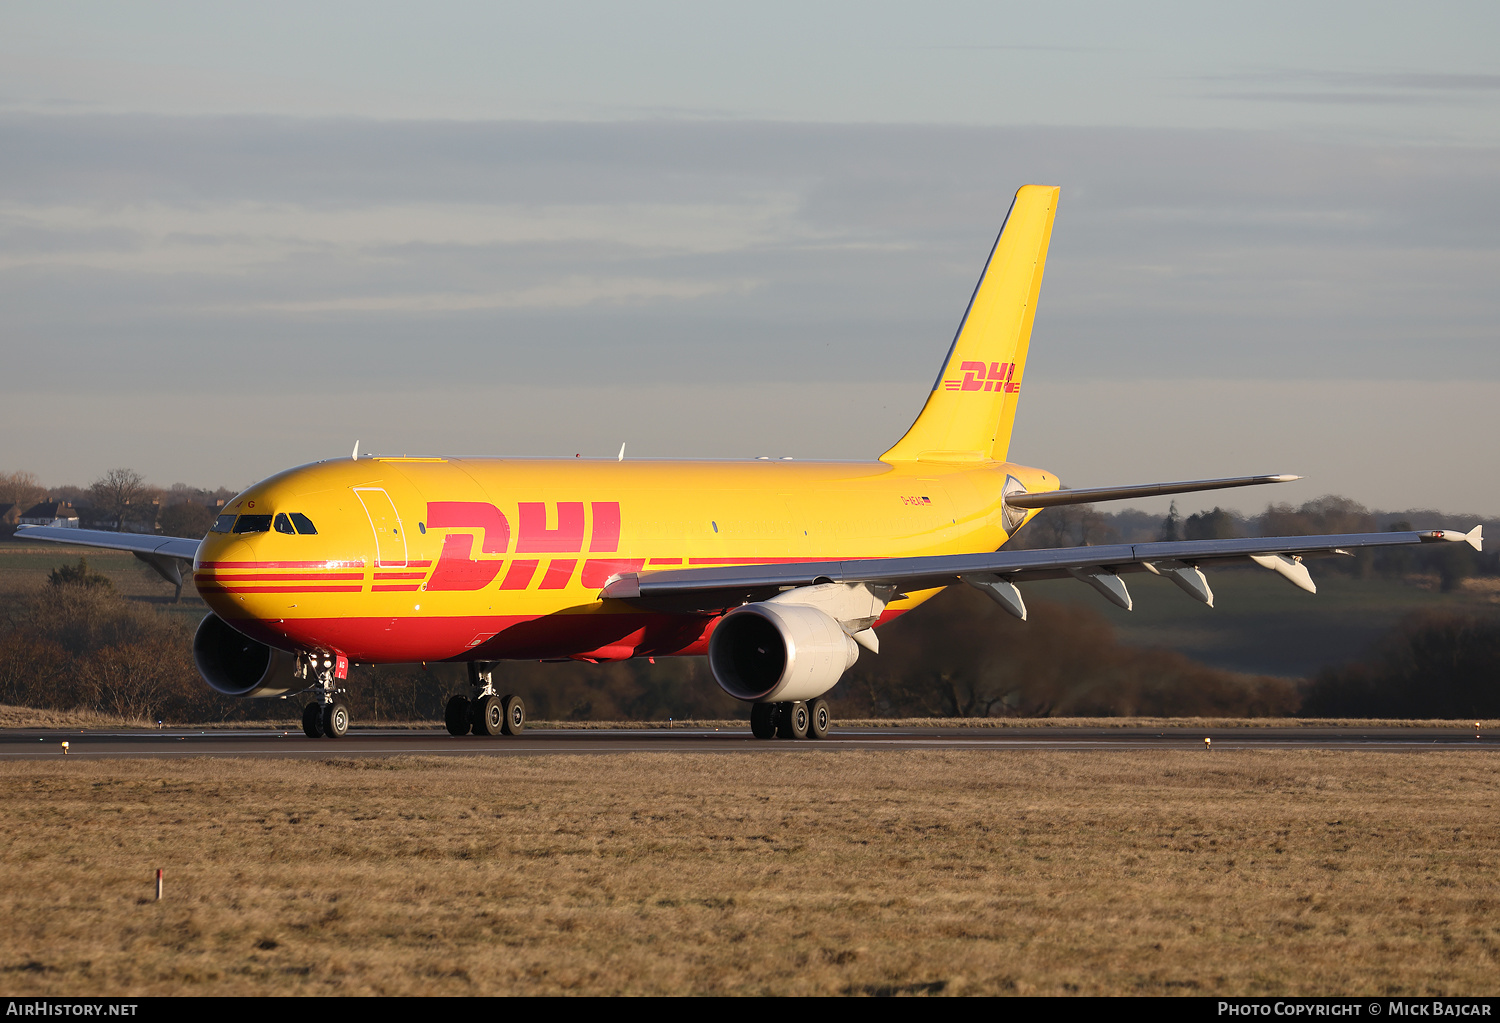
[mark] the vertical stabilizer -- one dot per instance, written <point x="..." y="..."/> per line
<point x="969" y="415"/>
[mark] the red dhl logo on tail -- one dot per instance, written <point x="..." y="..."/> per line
<point x="1000" y="377"/>
<point x="457" y="569"/>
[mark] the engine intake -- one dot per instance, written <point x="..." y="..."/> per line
<point x="236" y="665"/>
<point x="775" y="651"/>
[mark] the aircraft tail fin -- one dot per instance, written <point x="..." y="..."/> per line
<point x="972" y="408"/>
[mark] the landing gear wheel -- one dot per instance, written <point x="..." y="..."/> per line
<point x="312" y="721"/>
<point x="818" y="719"/>
<point x="763" y="720"/>
<point x="489" y="715"/>
<point x="456" y="716"/>
<point x="335" y="719"/>
<point x="513" y="715"/>
<point x="793" y="723"/>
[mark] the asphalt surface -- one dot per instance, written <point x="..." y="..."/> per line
<point x="33" y="743"/>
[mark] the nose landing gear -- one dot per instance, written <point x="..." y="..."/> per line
<point x="327" y="716"/>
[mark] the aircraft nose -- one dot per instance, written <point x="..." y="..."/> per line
<point x="216" y="550"/>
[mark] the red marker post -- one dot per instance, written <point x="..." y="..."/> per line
<point x="158" y="884"/>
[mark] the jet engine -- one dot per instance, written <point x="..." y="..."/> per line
<point x="776" y="651"/>
<point x="236" y="665"/>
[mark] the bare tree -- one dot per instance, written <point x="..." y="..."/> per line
<point x="114" y="494"/>
<point x="21" y="488"/>
<point x="1057" y="525"/>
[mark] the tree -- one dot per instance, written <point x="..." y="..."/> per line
<point x="1433" y="665"/>
<point x="21" y="488"/>
<point x="115" y="492"/>
<point x="1056" y="524"/>
<point x="1215" y="525"/>
<point x="188" y="519"/>
<point x="1169" y="525"/>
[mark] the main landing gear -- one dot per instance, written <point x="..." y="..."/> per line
<point x="327" y="716"/>
<point x="791" y="720"/>
<point x="487" y="713"/>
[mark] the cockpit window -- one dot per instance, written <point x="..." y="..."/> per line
<point x="253" y="524"/>
<point x="304" y="524"/>
<point x="284" y="524"/>
<point x="223" y="524"/>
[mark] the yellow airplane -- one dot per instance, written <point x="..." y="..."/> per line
<point x="779" y="571"/>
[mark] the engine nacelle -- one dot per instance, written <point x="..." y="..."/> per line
<point x="236" y="665"/>
<point x="774" y="651"/>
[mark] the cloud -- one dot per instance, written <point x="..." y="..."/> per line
<point x="321" y="261"/>
<point x="1356" y="88"/>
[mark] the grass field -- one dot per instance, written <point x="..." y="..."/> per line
<point x="860" y="873"/>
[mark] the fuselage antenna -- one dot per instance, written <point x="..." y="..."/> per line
<point x="355" y="456"/>
<point x="621" y="456"/>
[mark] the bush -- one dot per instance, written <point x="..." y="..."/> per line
<point x="1434" y="665"/>
<point x="79" y="575"/>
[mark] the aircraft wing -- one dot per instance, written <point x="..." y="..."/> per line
<point x="135" y="543"/>
<point x="165" y="554"/>
<point x="714" y="589"/>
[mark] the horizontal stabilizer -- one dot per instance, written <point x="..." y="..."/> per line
<point x="1089" y="495"/>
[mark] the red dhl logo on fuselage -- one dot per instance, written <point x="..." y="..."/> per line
<point x="457" y="569"/>
<point x="999" y="377"/>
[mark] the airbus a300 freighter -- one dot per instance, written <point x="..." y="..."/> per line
<point x="779" y="571"/>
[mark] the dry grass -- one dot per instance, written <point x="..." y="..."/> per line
<point x="40" y="717"/>
<point x="922" y="872"/>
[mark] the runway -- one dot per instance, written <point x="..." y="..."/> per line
<point x="35" y="743"/>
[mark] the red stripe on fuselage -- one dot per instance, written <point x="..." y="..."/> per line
<point x="277" y="589"/>
<point x="232" y="565"/>
<point x="255" y="577"/>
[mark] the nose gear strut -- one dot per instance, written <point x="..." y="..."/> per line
<point x="328" y="715"/>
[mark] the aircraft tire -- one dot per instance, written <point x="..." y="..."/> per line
<point x="335" y="719"/>
<point x="456" y="715"/>
<point x="312" y="721"/>
<point x="489" y="715"/>
<point x="794" y="720"/>
<point x="818" y="719"/>
<point x="513" y="711"/>
<point x="763" y="720"/>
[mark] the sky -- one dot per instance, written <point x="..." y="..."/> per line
<point x="238" y="238"/>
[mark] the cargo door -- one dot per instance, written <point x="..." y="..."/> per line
<point x="390" y="535"/>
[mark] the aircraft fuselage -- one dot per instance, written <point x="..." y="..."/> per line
<point x="429" y="559"/>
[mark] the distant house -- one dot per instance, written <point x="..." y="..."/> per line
<point x="144" y="520"/>
<point x="50" y="513"/>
